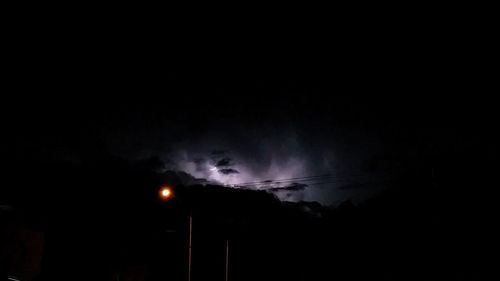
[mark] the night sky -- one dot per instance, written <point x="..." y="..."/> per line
<point x="328" y="134"/>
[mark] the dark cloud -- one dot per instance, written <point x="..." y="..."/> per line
<point x="199" y="160"/>
<point x="199" y="164"/>
<point x="224" y="162"/>
<point x="218" y="152"/>
<point x="228" y="171"/>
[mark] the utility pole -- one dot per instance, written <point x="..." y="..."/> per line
<point x="190" y="237"/>
<point x="227" y="259"/>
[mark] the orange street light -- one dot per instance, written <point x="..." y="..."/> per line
<point x="165" y="193"/>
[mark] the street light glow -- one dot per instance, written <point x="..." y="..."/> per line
<point x="165" y="193"/>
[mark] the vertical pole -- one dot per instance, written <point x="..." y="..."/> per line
<point x="227" y="259"/>
<point x="190" y="236"/>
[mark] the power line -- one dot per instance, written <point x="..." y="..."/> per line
<point x="305" y="181"/>
<point x="308" y="178"/>
<point x="346" y="182"/>
<point x="296" y="182"/>
<point x="309" y="183"/>
<point x="286" y="179"/>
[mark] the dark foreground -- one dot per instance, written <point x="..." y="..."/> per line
<point x="102" y="220"/>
